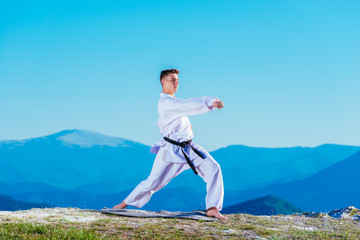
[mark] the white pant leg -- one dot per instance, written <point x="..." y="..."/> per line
<point x="162" y="172"/>
<point x="160" y="175"/>
<point x="210" y="172"/>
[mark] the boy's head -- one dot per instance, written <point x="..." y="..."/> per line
<point x="169" y="80"/>
<point x="166" y="72"/>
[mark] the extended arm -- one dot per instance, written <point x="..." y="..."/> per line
<point x="191" y="106"/>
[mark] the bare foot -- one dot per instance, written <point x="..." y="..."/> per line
<point x="213" y="212"/>
<point x="120" y="206"/>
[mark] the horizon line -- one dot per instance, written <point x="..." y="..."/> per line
<point x="95" y="132"/>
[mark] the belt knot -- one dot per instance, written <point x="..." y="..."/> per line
<point x="185" y="143"/>
<point x="182" y="145"/>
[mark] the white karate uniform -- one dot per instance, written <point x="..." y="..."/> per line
<point x="170" y="161"/>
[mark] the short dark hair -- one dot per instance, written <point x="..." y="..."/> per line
<point x="166" y="72"/>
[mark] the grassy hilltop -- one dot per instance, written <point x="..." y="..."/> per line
<point x="73" y="223"/>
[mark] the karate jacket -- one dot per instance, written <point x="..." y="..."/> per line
<point x="174" y="123"/>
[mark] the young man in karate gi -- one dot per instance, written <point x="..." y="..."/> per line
<point x="172" y="159"/>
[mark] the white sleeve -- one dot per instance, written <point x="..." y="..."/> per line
<point x="190" y="106"/>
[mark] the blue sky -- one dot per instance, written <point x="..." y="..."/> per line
<point x="287" y="71"/>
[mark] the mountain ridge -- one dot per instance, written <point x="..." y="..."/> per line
<point x="338" y="183"/>
<point x="267" y="205"/>
<point x="8" y="203"/>
<point x="94" y="133"/>
<point x="107" y="169"/>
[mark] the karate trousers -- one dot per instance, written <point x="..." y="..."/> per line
<point x="162" y="172"/>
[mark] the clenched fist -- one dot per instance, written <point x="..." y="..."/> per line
<point x="218" y="104"/>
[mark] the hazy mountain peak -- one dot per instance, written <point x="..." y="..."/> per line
<point x="350" y="212"/>
<point x="268" y="205"/>
<point x="88" y="138"/>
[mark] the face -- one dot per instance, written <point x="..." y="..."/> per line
<point x="171" y="83"/>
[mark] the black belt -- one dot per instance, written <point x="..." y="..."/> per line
<point x="182" y="145"/>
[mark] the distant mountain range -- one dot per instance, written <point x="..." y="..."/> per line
<point x="86" y="169"/>
<point x="9" y="204"/>
<point x="331" y="188"/>
<point x="253" y="167"/>
<point x="268" y="205"/>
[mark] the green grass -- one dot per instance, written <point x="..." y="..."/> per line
<point x="45" y="231"/>
<point x="238" y="226"/>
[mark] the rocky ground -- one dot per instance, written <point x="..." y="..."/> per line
<point x="73" y="223"/>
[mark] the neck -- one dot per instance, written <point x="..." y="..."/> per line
<point x="168" y="92"/>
